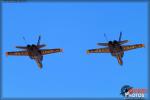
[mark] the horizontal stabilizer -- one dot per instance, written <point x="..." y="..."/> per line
<point x="124" y="41"/>
<point x="102" y="44"/>
<point x="21" y="47"/>
<point x="41" y="46"/>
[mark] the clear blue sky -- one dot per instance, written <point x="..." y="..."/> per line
<point x="75" y="27"/>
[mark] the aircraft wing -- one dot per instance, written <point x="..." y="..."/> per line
<point x="49" y="51"/>
<point x="18" y="53"/>
<point x="130" y="47"/>
<point x="99" y="50"/>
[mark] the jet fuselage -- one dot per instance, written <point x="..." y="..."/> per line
<point x="35" y="52"/>
<point x="116" y="50"/>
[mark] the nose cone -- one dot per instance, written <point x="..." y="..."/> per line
<point x="40" y="65"/>
<point x="119" y="60"/>
<point x="121" y="63"/>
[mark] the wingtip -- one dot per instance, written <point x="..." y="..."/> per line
<point x="6" y="53"/>
<point x="143" y="45"/>
<point x="87" y="52"/>
<point x="61" y="50"/>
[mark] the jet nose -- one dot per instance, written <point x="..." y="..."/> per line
<point x="121" y="64"/>
<point x="40" y="65"/>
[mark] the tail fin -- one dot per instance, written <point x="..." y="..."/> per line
<point x="120" y="36"/>
<point x="105" y="37"/>
<point x="38" y="43"/>
<point x="24" y="40"/>
<point x="122" y="41"/>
